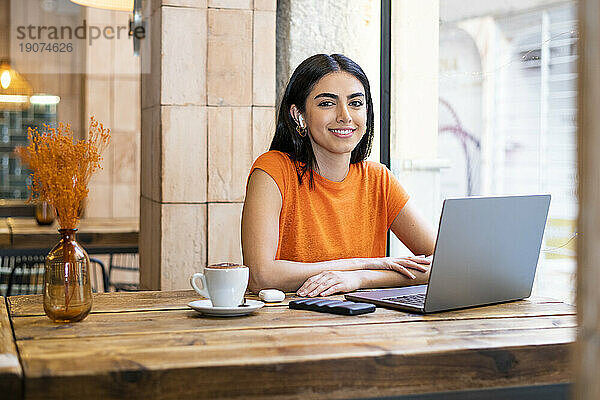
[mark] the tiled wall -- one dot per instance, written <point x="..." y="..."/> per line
<point x="112" y="95"/>
<point x="208" y="107"/>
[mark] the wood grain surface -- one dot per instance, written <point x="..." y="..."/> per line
<point x="160" y="321"/>
<point x="31" y="305"/>
<point x="588" y="194"/>
<point x="10" y="368"/>
<point x="151" y="345"/>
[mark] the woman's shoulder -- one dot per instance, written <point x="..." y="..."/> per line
<point x="379" y="177"/>
<point x="273" y="157"/>
<point x="373" y="168"/>
<point x="374" y="173"/>
<point x="275" y="163"/>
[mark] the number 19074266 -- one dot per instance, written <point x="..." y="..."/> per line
<point x="40" y="47"/>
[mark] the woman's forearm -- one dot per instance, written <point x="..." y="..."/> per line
<point x="379" y="279"/>
<point x="290" y="275"/>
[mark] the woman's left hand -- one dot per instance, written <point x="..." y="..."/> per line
<point x="330" y="282"/>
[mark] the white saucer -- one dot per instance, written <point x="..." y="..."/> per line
<point x="206" y="307"/>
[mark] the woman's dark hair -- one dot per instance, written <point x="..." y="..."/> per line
<point x="304" y="78"/>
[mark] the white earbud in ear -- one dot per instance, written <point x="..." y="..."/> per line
<point x="301" y="120"/>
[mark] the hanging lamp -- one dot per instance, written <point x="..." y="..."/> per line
<point x="119" y="5"/>
<point x="14" y="88"/>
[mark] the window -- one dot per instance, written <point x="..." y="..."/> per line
<point x="507" y="107"/>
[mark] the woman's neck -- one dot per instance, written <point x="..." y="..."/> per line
<point x="332" y="166"/>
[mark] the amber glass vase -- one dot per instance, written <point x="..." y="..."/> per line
<point x="67" y="289"/>
<point x="44" y="213"/>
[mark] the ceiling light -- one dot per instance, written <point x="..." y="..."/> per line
<point x="119" y="5"/>
<point x="5" y="79"/>
<point x="13" y="98"/>
<point x="14" y="88"/>
<point x="134" y="6"/>
<point x="44" y="99"/>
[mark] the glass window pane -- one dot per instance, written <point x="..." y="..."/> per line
<point x="507" y="106"/>
<point x="77" y="62"/>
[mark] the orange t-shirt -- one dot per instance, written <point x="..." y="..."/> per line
<point x="333" y="220"/>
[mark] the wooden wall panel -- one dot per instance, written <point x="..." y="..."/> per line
<point x="588" y="252"/>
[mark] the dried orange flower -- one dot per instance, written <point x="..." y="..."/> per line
<point x="62" y="166"/>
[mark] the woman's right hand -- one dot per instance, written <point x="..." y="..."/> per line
<point x="401" y="265"/>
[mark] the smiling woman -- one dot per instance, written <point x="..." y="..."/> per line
<point x="316" y="214"/>
<point x="313" y="97"/>
<point x="336" y="115"/>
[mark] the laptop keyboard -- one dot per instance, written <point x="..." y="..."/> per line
<point x="410" y="299"/>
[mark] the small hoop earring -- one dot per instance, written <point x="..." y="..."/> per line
<point x="301" y="131"/>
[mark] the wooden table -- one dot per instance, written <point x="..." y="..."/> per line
<point x="150" y="345"/>
<point x="21" y="233"/>
<point x="16" y="208"/>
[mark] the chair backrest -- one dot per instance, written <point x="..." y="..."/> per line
<point x="123" y="266"/>
<point x="129" y="266"/>
<point x="98" y="276"/>
<point x="24" y="269"/>
<point x="25" y="273"/>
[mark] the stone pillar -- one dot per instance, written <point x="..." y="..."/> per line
<point x="208" y="105"/>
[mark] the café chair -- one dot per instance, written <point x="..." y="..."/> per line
<point x="128" y="263"/>
<point x="22" y="271"/>
<point x="123" y="262"/>
<point x="25" y="269"/>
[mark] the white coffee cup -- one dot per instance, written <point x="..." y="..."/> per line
<point x="224" y="284"/>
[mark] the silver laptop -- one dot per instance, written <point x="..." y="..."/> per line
<point x="486" y="252"/>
